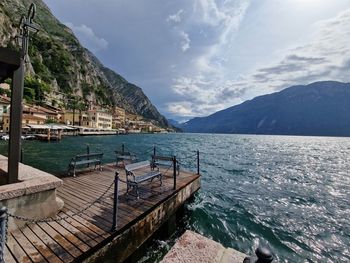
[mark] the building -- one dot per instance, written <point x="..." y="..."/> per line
<point x="118" y="120"/>
<point x="4" y="109"/>
<point x="69" y="116"/>
<point x="129" y="117"/>
<point x="27" y="119"/>
<point x="97" y="119"/>
<point x="32" y="114"/>
<point x="100" y="119"/>
<point x="50" y="115"/>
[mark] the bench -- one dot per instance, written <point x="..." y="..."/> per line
<point x="133" y="179"/>
<point x="163" y="161"/>
<point x="85" y="159"/>
<point x="122" y="156"/>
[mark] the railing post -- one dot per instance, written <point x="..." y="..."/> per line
<point x="154" y="150"/>
<point x="115" y="202"/>
<point x="197" y="162"/>
<point x="3" y="226"/>
<point x="174" y="171"/>
<point x="88" y="152"/>
<point x="123" y="149"/>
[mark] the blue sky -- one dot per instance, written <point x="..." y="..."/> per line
<point x="193" y="58"/>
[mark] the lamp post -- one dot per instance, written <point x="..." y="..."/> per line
<point x="14" y="152"/>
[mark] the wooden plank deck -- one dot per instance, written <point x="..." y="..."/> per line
<point x="78" y="237"/>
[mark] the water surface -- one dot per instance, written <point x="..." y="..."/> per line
<point x="289" y="192"/>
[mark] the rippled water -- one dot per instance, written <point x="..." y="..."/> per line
<point x="292" y="193"/>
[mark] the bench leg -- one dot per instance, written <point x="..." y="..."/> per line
<point x="137" y="192"/>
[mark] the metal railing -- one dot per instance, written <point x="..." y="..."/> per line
<point x="174" y="163"/>
<point x="5" y="215"/>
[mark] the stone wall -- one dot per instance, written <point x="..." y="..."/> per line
<point x="34" y="196"/>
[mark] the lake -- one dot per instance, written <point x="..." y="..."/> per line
<point x="291" y="193"/>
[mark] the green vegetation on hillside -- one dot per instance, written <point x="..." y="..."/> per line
<point x="59" y="64"/>
<point x="34" y="90"/>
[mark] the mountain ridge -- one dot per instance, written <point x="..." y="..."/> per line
<point x="58" y="60"/>
<point x="320" y="108"/>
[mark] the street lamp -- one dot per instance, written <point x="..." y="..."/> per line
<point x="14" y="153"/>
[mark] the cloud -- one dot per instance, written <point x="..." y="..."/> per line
<point x="175" y="18"/>
<point x="213" y="54"/>
<point x="205" y="84"/>
<point x="88" y="37"/>
<point x="208" y="12"/>
<point x="183" y="108"/>
<point x="324" y="57"/>
<point x="321" y="59"/>
<point x="185" y="41"/>
<point x="184" y="37"/>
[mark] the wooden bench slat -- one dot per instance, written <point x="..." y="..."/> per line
<point x="85" y="159"/>
<point x="134" y="180"/>
<point x="147" y="176"/>
<point x="135" y="166"/>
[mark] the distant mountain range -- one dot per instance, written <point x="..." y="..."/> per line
<point x="320" y="108"/>
<point x="174" y="123"/>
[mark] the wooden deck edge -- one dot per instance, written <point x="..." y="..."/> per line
<point x="128" y="239"/>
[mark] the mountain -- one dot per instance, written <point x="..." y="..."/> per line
<point x="320" y="108"/>
<point x="174" y="123"/>
<point x="62" y="69"/>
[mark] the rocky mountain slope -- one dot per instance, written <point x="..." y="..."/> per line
<point x="321" y="108"/>
<point x="64" y="70"/>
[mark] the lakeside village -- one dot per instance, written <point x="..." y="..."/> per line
<point x="47" y="122"/>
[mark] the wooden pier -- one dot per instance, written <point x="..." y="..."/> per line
<point x="88" y="236"/>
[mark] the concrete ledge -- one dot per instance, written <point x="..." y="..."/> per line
<point x="31" y="179"/>
<point x="193" y="247"/>
<point x="33" y="197"/>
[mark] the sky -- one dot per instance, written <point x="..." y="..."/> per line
<point x="193" y="58"/>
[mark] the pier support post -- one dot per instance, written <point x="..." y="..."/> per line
<point x="115" y="202"/>
<point x="48" y="134"/>
<point x="197" y="162"/>
<point x="3" y="226"/>
<point x="88" y="152"/>
<point x="174" y="171"/>
<point x="14" y="147"/>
